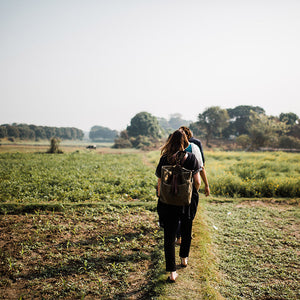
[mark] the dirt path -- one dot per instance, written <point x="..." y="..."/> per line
<point x="198" y="280"/>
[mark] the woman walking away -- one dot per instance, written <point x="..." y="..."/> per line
<point x="169" y="215"/>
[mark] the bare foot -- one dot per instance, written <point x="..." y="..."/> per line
<point x="184" y="261"/>
<point x="178" y="241"/>
<point x="172" y="277"/>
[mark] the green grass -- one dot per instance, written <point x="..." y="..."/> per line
<point x="83" y="225"/>
<point x="78" y="225"/>
<point x="79" y="177"/>
<point x="74" y="177"/>
<point x="239" y="174"/>
<point x="258" y="249"/>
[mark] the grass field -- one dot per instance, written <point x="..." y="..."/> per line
<point x="83" y="225"/>
<point x="240" y="174"/>
<point x="258" y="249"/>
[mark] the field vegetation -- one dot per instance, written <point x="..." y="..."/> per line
<point x="74" y="177"/>
<point x="262" y="174"/>
<point x="257" y="246"/>
<point x="83" y="225"/>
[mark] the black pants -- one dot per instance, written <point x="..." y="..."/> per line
<point x="170" y="230"/>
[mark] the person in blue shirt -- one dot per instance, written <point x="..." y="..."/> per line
<point x="194" y="147"/>
<point x="193" y="141"/>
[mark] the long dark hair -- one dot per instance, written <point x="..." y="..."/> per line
<point x="176" y="142"/>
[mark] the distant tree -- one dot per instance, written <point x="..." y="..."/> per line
<point x="264" y="130"/>
<point x="66" y="133"/>
<point x="281" y="128"/>
<point x="32" y="127"/>
<point x="40" y="133"/>
<point x="12" y="131"/>
<point x="122" y="141"/>
<point x="25" y="132"/>
<point x="142" y="133"/>
<point x="195" y="128"/>
<point x="295" y="130"/>
<point x="164" y="124"/>
<point x="213" y="121"/>
<point x="102" y="133"/>
<point x="77" y="134"/>
<point x="31" y="132"/>
<point x="50" y="132"/>
<point x="124" y="134"/>
<point x="144" y="124"/>
<point x="59" y="132"/>
<point x="239" y="117"/>
<point x="243" y="140"/>
<point x="175" y="121"/>
<point x="141" y="142"/>
<point x="289" y="142"/>
<point x="3" y="132"/>
<point x="289" y="118"/>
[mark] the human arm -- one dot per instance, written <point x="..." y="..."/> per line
<point x="158" y="187"/>
<point x="204" y="178"/>
<point x="158" y="175"/>
<point x="197" y="180"/>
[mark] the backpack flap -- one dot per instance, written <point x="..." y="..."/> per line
<point x="176" y="185"/>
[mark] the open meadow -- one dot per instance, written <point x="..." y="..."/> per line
<point x="83" y="225"/>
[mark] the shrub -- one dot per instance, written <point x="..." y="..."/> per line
<point x="122" y="143"/>
<point x="54" y="146"/>
<point x="289" y="142"/>
<point x="243" y="140"/>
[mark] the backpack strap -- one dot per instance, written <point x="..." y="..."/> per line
<point x="179" y="158"/>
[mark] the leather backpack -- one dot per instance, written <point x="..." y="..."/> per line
<point x="176" y="182"/>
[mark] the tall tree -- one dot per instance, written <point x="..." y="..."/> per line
<point x="289" y="118"/>
<point x="12" y="131"/>
<point x="213" y="121"/>
<point x="102" y="133"/>
<point x="239" y="117"/>
<point x="176" y="121"/>
<point x="144" y="124"/>
<point x="264" y="130"/>
<point x="295" y="130"/>
<point x="3" y="132"/>
<point x="31" y="132"/>
<point x="40" y="133"/>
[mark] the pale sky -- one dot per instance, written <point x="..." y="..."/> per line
<point x="93" y="62"/>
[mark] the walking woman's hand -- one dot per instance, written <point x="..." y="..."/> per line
<point x="207" y="190"/>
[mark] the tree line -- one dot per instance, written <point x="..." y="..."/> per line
<point x="101" y="133"/>
<point x="246" y="126"/>
<point x="249" y="127"/>
<point x="143" y="124"/>
<point x="33" y="132"/>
